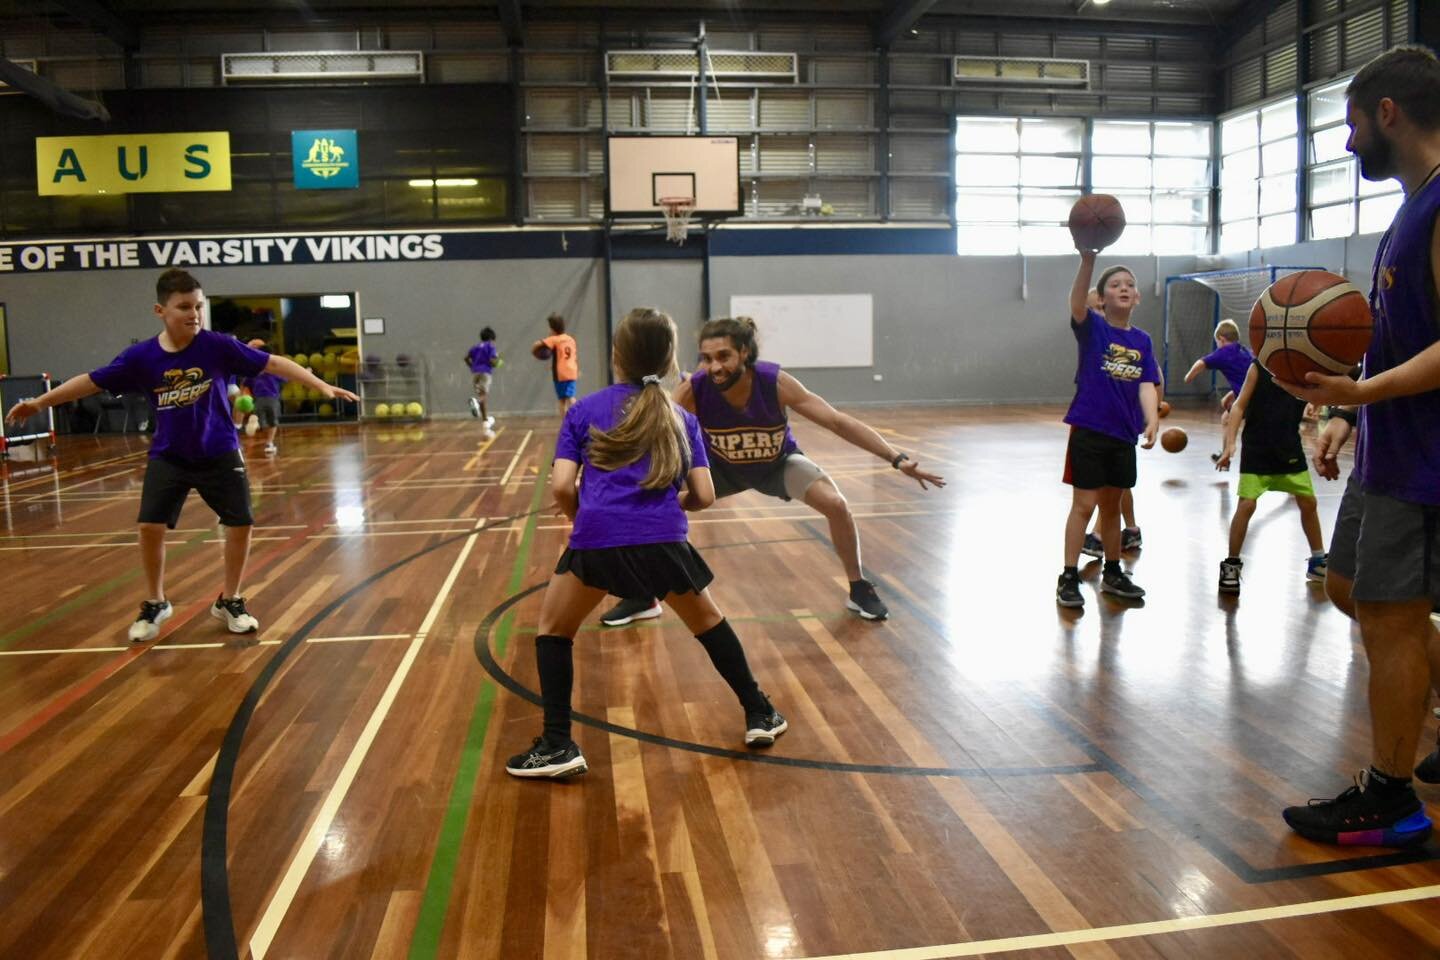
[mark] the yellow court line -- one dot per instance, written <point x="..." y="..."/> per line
<point x="470" y="464"/>
<point x="516" y="459"/>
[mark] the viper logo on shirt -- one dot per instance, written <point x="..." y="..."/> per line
<point x="181" y="388"/>
<point x="747" y="444"/>
<point x="1122" y="363"/>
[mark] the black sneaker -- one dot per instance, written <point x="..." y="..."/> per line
<point x="237" y="618"/>
<point x="1067" y="591"/>
<point x="1428" y="769"/>
<point x="147" y="625"/>
<point x="1361" y="817"/>
<point x="545" y="759"/>
<point x="866" y="602"/>
<point x="1130" y="539"/>
<point x="628" y="611"/>
<point x="1093" y="547"/>
<point x="763" y="727"/>
<point x="1120" y="584"/>
<point x="1230" y="575"/>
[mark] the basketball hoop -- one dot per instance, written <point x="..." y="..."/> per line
<point x="677" y="217"/>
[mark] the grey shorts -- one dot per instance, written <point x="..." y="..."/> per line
<point x="1389" y="548"/>
<point x="482" y="384"/>
<point x="788" y="482"/>
<point x="268" y="410"/>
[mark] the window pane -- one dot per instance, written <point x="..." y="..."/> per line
<point x="1237" y="133"/>
<point x="985" y="171"/>
<point x="1376" y="214"/>
<point x="1277" y="193"/>
<point x="1240" y="235"/>
<point x="1049" y="171"/>
<point x="1329" y="144"/>
<point x="1135" y="205"/>
<point x="1042" y="240"/>
<point x="1182" y="139"/>
<point x="987" y="205"/>
<point x="1331" y="183"/>
<point x="1328" y="104"/>
<point x="1182" y="173"/>
<point x="1278" y="157"/>
<point x="1240" y="167"/>
<point x="1175" y="240"/>
<point x="1278" y="231"/>
<point x="1277" y="120"/>
<point x="1117" y="137"/>
<point x="1373" y="188"/>
<point x="1051" y="136"/>
<point x="988" y="240"/>
<point x="1121" y="172"/>
<point x="1239" y="202"/>
<point x="1047" y="206"/>
<point x="1177" y="206"/>
<point x="1135" y="241"/>
<point x="1336" y="221"/>
<point x="987" y="134"/>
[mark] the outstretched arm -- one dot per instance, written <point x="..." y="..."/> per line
<point x="1236" y="417"/>
<point x="287" y="369"/>
<point x="1080" y="292"/>
<point x="75" y="388"/>
<point x="1195" y="370"/>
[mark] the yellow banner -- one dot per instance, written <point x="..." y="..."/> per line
<point x="132" y="163"/>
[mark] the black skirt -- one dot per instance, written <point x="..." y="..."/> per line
<point x="647" y="571"/>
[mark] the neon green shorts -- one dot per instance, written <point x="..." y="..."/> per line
<point x="1254" y="484"/>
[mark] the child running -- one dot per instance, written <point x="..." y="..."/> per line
<point x="564" y="361"/>
<point x="483" y="358"/>
<point x="645" y="465"/>
<point x="265" y="388"/>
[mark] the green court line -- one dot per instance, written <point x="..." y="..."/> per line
<point x="435" y="904"/>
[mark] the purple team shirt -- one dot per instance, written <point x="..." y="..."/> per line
<point x="750" y="443"/>
<point x="615" y="511"/>
<point x="1398" y="452"/>
<point x="265" y="385"/>
<point x="482" y="357"/>
<point x="187" y="390"/>
<point x="1113" y="363"/>
<point x="1233" y="361"/>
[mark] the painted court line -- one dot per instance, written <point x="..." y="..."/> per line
<point x="162" y="647"/>
<point x="284" y="895"/>
<point x="1127" y="931"/>
<point x="515" y="459"/>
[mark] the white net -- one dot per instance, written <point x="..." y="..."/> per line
<point x="1194" y="304"/>
<point x="677" y="218"/>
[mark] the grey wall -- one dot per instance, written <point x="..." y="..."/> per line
<point x="1351" y="256"/>
<point x="674" y="286"/>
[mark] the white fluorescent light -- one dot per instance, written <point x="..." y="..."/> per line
<point x="445" y="182"/>
<point x="335" y="301"/>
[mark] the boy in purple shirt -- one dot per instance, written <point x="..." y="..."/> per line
<point x="265" y="389"/>
<point x="1384" y="564"/>
<point x="1115" y="401"/>
<point x="185" y="371"/>
<point x="482" y="360"/>
<point x="1229" y="358"/>
<point x="644" y="465"/>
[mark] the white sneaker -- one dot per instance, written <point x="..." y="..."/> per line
<point x="489" y="422"/>
<point x="271" y="449"/>
<point x="152" y="614"/>
<point x="233" y="612"/>
<point x="488" y="434"/>
<point x="474" y="407"/>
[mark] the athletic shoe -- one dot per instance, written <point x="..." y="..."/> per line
<point x="1092" y="547"/>
<point x="1315" y="568"/>
<point x="1120" y="584"/>
<point x="1360" y="816"/>
<point x="474" y="407"/>
<point x="1230" y="575"/>
<point x="1428" y="769"/>
<point x="866" y="602"/>
<point x="545" y="759"/>
<point x="1067" y="591"/>
<point x="1130" y="539"/>
<point x="489" y="422"/>
<point x="488" y="434"/>
<point x="628" y="611"/>
<point x="271" y="449"/>
<point x="762" y="727"/>
<point x="152" y="614"/>
<point x="233" y="612"/>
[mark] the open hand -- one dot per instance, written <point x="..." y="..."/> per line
<point x="912" y="470"/>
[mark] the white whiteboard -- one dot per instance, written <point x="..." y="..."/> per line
<point x="812" y="331"/>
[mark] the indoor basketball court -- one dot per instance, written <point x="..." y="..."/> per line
<point x="895" y="193"/>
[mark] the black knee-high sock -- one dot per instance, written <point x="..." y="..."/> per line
<point x="729" y="658"/>
<point x="557" y="676"/>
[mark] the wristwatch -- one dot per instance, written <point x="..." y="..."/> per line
<point x="898" y="457"/>
<point x="1342" y="413"/>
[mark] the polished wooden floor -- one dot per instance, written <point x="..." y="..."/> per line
<point x="983" y="774"/>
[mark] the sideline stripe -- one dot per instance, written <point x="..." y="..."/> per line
<point x="279" y="905"/>
<point x="505" y="478"/>
<point x="1127" y="931"/>
<point x="163" y="647"/>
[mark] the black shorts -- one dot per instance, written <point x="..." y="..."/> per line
<point x="1388" y="548"/>
<point x="221" y="482"/>
<point x="641" y="572"/>
<point x="1094" y="460"/>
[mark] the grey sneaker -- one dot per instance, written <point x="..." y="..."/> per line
<point x="1230" y="575"/>
<point x="545" y="759"/>
<point x="628" y="611"/>
<point x="763" y="726"/>
<point x="1067" y="591"/>
<point x="866" y="602"/>
<point x="1120" y="584"/>
<point x="1092" y="547"/>
<point x="1130" y="539"/>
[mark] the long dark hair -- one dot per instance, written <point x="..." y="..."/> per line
<point x="645" y="353"/>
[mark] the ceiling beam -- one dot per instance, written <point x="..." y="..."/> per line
<point x="103" y="20"/>
<point x="56" y="98"/>
<point x="511" y="22"/>
<point x="901" y="16"/>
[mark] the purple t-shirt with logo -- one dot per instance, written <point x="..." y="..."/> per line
<point x="265" y="385"/>
<point x="1233" y="361"/>
<point x="615" y="511"/>
<point x="482" y="357"/>
<point x="1113" y="362"/>
<point x="750" y="443"/>
<point x="1398" y="452"/>
<point x="188" y="391"/>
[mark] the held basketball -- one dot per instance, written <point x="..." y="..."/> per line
<point x="1174" y="440"/>
<point x="540" y="352"/>
<point x="1096" y="221"/>
<point x="1310" y="322"/>
<point x="1164" y="408"/>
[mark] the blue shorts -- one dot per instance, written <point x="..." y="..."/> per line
<point x="564" y="389"/>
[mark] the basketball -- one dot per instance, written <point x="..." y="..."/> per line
<point x="1164" y="409"/>
<point x="1310" y="322"/>
<point x="1096" y="221"/>
<point x="1174" y="440"/>
<point x="540" y="351"/>
<point x="245" y="403"/>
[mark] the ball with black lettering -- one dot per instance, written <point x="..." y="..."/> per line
<point x="1310" y="322"/>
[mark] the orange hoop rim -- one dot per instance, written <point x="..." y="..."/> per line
<point x="677" y="205"/>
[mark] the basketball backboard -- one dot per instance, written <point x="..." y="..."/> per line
<point x="645" y="170"/>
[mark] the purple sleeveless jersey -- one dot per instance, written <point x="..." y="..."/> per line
<point x="1398" y="451"/>
<point x="748" y="444"/>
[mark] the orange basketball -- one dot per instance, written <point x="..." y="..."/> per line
<point x="1174" y="440"/>
<point x="1096" y="221"/>
<point x="1164" y="409"/>
<point x="1311" y="321"/>
<point x="540" y="352"/>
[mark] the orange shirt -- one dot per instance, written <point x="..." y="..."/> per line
<point x="564" y="364"/>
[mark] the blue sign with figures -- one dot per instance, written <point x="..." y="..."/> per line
<point x="325" y="159"/>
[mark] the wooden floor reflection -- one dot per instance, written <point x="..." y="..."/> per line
<point x="982" y="774"/>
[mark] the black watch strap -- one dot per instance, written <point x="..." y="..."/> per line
<point x="898" y="457"/>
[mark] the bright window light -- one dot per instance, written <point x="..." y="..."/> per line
<point x="335" y="301"/>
